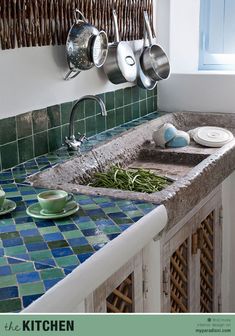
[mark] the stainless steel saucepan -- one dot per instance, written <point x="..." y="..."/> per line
<point x="120" y="65"/>
<point x="86" y="46"/>
<point x="154" y="60"/>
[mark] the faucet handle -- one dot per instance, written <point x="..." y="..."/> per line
<point x="82" y="137"/>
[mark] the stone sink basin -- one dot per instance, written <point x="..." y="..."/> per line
<point x="195" y="170"/>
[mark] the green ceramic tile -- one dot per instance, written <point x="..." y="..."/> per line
<point x="34" y="239"/>
<point x="79" y="127"/>
<point x="22" y="267"/>
<point x="57" y="244"/>
<point x="82" y="249"/>
<point x="135" y="94"/>
<point x="100" y="123"/>
<point x="41" y="143"/>
<point x="9" y="155"/>
<point x="102" y="200"/>
<point x="54" y="116"/>
<point x="111" y="119"/>
<point x="134" y="213"/>
<point x="90" y="206"/>
<point x="31" y="288"/>
<point x="3" y="260"/>
<point x="65" y="112"/>
<point x="40" y="255"/>
<point x="40" y="120"/>
<point x="9" y="235"/>
<point x="136" y="110"/>
<point x="54" y="137"/>
<point x="79" y="111"/>
<point x="15" y="250"/>
<point x="120" y="221"/>
<point x="24" y="125"/>
<point x="111" y="229"/>
<point x="155" y="103"/>
<point x="49" y="229"/>
<point x="65" y="131"/>
<point x="7" y="130"/>
<point x="142" y="94"/>
<point x="143" y="108"/>
<point x="119" y="116"/>
<point x="109" y="100"/>
<point x="90" y="108"/>
<point x="128" y="113"/>
<point x="12" y="305"/>
<point x="25" y="146"/>
<point x="90" y="126"/>
<point x="111" y="210"/>
<point x="52" y="273"/>
<point x="67" y="261"/>
<point x="127" y="95"/>
<point x="8" y="280"/>
<point x="119" y="98"/>
<point x="73" y="234"/>
<point x="86" y="225"/>
<point x="25" y="226"/>
<point x="150" y="106"/>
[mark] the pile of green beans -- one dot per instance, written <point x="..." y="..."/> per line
<point x="140" y="180"/>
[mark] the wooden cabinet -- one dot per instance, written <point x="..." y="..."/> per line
<point x="122" y="292"/>
<point x="191" y="260"/>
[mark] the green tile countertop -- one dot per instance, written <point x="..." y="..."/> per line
<point x="36" y="254"/>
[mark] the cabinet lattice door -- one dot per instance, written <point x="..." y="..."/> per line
<point x="207" y="264"/>
<point x="179" y="279"/>
<point x="120" y="300"/>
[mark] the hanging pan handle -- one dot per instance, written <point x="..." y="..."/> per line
<point x="77" y="14"/>
<point x="116" y="30"/>
<point x="148" y="28"/>
<point x="69" y="75"/>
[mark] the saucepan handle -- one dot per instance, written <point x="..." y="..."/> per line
<point x="148" y="28"/>
<point x="77" y="14"/>
<point x="69" y="75"/>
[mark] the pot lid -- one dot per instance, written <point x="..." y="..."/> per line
<point x="211" y="136"/>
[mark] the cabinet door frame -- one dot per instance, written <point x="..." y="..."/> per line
<point x="183" y="231"/>
<point x="96" y="301"/>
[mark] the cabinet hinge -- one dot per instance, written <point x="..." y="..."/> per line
<point x="165" y="281"/>
<point x="145" y="283"/>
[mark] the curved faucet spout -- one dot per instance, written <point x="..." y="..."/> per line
<point x="71" y="141"/>
<point x="73" y="112"/>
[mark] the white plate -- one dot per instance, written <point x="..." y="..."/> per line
<point x="211" y="136"/>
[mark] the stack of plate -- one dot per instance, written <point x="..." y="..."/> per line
<point x="211" y="136"/>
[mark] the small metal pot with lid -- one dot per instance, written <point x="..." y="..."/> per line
<point x="86" y="46"/>
<point x="120" y="65"/>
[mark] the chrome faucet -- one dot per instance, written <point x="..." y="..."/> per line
<point x="71" y="141"/>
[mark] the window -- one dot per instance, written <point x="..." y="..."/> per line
<point x="217" y="35"/>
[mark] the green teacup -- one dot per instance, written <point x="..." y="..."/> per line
<point x="2" y="198"/>
<point x="54" y="201"/>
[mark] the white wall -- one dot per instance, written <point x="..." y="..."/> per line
<point x="187" y="89"/>
<point x="32" y="78"/>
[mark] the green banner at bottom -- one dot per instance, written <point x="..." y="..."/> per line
<point x="117" y="325"/>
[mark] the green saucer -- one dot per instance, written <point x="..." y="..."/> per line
<point x="35" y="211"/>
<point x="7" y="207"/>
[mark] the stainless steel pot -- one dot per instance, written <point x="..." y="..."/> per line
<point x="86" y="46"/>
<point x="120" y="65"/>
<point x="154" y="60"/>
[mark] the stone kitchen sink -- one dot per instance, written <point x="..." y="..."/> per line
<point x="195" y="170"/>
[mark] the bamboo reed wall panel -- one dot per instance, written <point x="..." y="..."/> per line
<point x="120" y="300"/>
<point x="179" y="279"/>
<point x="27" y="23"/>
<point x="207" y="264"/>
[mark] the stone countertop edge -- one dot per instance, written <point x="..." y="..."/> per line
<point x="102" y="264"/>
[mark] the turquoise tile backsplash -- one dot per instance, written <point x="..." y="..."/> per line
<point x="41" y="131"/>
